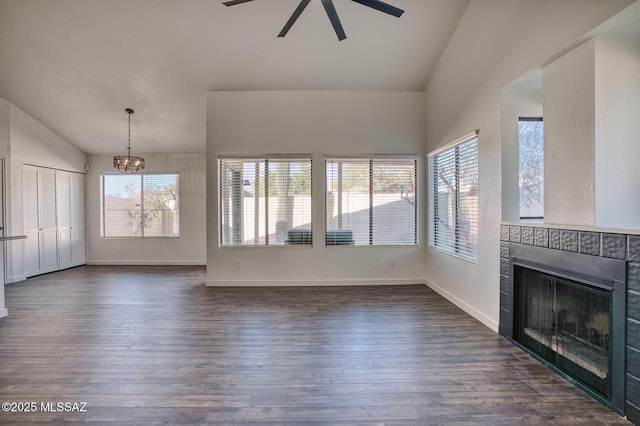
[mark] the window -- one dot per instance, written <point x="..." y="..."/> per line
<point x="265" y="201"/>
<point x="371" y="201"/>
<point x="453" y="208"/>
<point x="140" y="205"/>
<point x="531" y="174"/>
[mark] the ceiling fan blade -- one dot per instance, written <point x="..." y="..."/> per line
<point x="294" y="17"/>
<point x="333" y="17"/>
<point x="234" y="2"/>
<point x="382" y="7"/>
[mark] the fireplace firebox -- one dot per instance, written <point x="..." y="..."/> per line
<point x="569" y="312"/>
<point x="567" y="323"/>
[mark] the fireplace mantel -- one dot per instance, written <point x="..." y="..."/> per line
<point x="537" y="224"/>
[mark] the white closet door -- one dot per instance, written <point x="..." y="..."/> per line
<point x="78" y="246"/>
<point x="47" y="198"/>
<point x="77" y="199"/>
<point x="32" y="253"/>
<point x="30" y="198"/>
<point x="64" y="206"/>
<point x="54" y="219"/>
<point x="30" y="211"/>
<point x="47" y="220"/>
<point x="63" y="199"/>
<point x="48" y="251"/>
<point x="65" y="256"/>
<point x="40" y="224"/>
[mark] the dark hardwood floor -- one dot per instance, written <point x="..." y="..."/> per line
<point x="154" y="345"/>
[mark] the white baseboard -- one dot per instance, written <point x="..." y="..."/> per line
<point x="3" y="312"/>
<point x="147" y="262"/>
<point x="464" y="306"/>
<point x="312" y="283"/>
<point x="16" y="279"/>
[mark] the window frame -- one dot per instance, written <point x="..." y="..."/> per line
<point x="454" y="249"/>
<point x="371" y="159"/>
<point x="263" y="158"/>
<point x="141" y="175"/>
<point x="540" y="119"/>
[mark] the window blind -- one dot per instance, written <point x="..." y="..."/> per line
<point x="454" y="199"/>
<point x="371" y="201"/>
<point x="140" y="205"/>
<point x="265" y="201"/>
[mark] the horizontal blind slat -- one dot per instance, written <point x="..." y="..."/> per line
<point x="265" y="201"/>
<point x="371" y="197"/>
<point x="453" y="213"/>
<point x="140" y="205"/>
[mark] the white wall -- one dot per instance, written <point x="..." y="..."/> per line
<point x="188" y="249"/>
<point x="317" y="123"/>
<point x="569" y="138"/>
<point x="592" y="134"/>
<point x="5" y="126"/>
<point x="523" y="99"/>
<point x="495" y="42"/>
<point x="30" y="143"/>
<point x="617" y="132"/>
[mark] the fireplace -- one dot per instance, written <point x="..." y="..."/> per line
<point x="568" y="323"/>
<point x="568" y="310"/>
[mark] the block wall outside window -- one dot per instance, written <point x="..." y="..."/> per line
<point x="265" y="201"/>
<point x="371" y="201"/>
<point x="136" y="206"/>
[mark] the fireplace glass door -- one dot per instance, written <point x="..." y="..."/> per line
<point x="567" y="323"/>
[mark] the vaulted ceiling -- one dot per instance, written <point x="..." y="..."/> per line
<point x="75" y="65"/>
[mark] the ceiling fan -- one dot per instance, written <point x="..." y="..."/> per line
<point x="331" y="12"/>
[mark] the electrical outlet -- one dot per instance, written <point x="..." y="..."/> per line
<point x="236" y="264"/>
<point x="392" y="264"/>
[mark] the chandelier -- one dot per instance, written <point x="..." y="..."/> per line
<point x="128" y="163"/>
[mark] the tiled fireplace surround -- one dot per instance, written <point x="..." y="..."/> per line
<point x="591" y="242"/>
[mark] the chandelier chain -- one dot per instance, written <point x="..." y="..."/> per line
<point x="128" y="163"/>
<point x="129" y="137"/>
